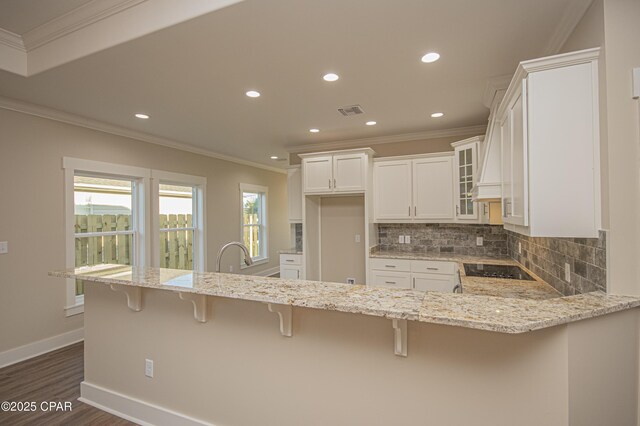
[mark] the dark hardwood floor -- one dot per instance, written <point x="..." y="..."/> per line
<point x="55" y="376"/>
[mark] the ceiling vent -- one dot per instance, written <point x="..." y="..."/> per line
<point x="351" y="110"/>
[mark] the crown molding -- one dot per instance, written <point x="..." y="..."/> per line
<point x="478" y="139"/>
<point x="87" y="14"/>
<point x="378" y="140"/>
<point x="12" y="40"/>
<point x="568" y="22"/>
<point x="493" y="86"/>
<point x="77" y="120"/>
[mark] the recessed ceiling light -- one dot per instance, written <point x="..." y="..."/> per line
<point x="430" y="57"/>
<point x="331" y="77"/>
<point x="370" y="123"/>
<point x="437" y="114"/>
<point x="314" y="130"/>
<point x="273" y="157"/>
<point x="253" y="94"/>
<point x="142" y="116"/>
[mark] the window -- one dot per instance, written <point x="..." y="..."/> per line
<point x="180" y="221"/>
<point x="104" y="221"/>
<point x="253" y="200"/>
<point x="107" y="208"/>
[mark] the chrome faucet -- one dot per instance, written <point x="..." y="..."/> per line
<point x="247" y="256"/>
<point x="458" y="287"/>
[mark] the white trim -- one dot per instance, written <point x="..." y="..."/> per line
<point x="133" y="409"/>
<point x="472" y="139"/>
<point x="636" y="83"/>
<point x="12" y="40"/>
<point x="378" y="140"/>
<point x="493" y="86"/>
<point x="30" y="350"/>
<point x="77" y="120"/>
<point x="415" y="156"/>
<point x="570" y="18"/>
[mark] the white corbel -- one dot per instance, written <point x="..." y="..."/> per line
<point x="134" y="295"/>
<point x="199" y="304"/>
<point x="399" y="336"/>
<point x="285" y="314"/>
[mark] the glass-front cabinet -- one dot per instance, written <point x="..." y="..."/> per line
<point x="465" y="170"/>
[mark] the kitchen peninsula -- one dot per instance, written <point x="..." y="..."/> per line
<point x="345" y="349"/>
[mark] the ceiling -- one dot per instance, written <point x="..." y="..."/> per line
<point x="191" y="78"/>
<point x="21" y="16"/>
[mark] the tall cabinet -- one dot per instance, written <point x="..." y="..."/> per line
<point x="550" y="147"/>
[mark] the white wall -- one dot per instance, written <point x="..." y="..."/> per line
<point x="31" y="213"/>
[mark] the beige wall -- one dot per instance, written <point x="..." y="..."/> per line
<point x="339" y="368"/>
<point x="341" y="218"/>
<point x="400" y="148"/>
<point x="31" y="213"/>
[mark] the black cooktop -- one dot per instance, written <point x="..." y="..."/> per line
<point x="496" y="271"/>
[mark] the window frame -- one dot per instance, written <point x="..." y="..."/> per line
<point x="140" y="178"/>
<point x="264" y="224"/>
<point x="199" y="215"/>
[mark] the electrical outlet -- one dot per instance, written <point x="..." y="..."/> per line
<point x="148" y="367"/>
<point x="479" y="241"/>
<point x="407" y="239"/>
<point x="519" y="248"/>
<point x="401" y="239"/>
<point x="567" y="272"/>
<point x="357" y="238"/>
<point x="4" y="247"/>
<point x="351" y="280"/>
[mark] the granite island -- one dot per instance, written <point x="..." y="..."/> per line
<point x="329" y="340"/>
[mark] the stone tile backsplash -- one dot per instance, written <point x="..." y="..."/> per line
<point x="444" y="238"/>
<point x="546" y="257"/>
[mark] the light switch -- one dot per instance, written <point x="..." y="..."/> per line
<point x="357" y="238"/>
<point x="4" y="247"/>
<point x="479" y="241"/>
<point x="401" y="239"/>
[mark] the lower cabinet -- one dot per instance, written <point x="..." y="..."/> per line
<point x="422" y="275"/>
<point x="291" y="267"/>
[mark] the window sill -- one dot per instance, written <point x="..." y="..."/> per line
<point x="256" y="262"/>
<point x="76" y="309"/>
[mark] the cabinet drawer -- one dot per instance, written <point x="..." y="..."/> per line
<point x="433" y="267"/>
<point x="399" y="265"/>
<point x="391" y="279"/>
<point x="291" y="259"/>
<point x="434" y="282"/>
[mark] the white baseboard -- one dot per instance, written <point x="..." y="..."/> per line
<point x="40" y="347"/>
<point x="268" y="272"/>
<point x="132" y="409"/>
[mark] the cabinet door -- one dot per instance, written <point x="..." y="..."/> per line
<point x="318" y="175"/>
<point x="433" y="188"/>
<point x="465" y="171"/>
<point x="434" y="282"/>
<point x="505" y="154"/>
<point x="392" y="190"/>
<point x="519" y="201"/>
<point x="290" y="272"/>
<point x="348" y="172"/>
<point x="391" y="279"/>
<point x="294" y="191"/>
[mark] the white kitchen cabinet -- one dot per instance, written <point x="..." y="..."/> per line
<point x="335" y="172"/>
<point x="414" y="189"/>
<point x="465" y="164"/>
<point x="422" y="275"/>
<point x="433" y="188"/>
<point x="433" y="282"/>
<point x="550" y="147"/>
<point x="292" y="266"/>
<point x="392" y="190"/>
<point x="294" y="192"/>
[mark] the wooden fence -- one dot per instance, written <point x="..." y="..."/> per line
<point x="176" y="247"/>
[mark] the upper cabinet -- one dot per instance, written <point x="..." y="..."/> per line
<point x="414" y="189"/>
<point x="550" y="147"/>
<point x="335" y="172"/>
<point x="466" y="161"/>
<point x="294" y="190"/>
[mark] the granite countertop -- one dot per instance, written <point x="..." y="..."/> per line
<point x="500" y="314"/>
<point x="498" y="287"/>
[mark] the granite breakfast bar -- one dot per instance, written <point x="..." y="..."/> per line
<point x="499" y="342"/>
